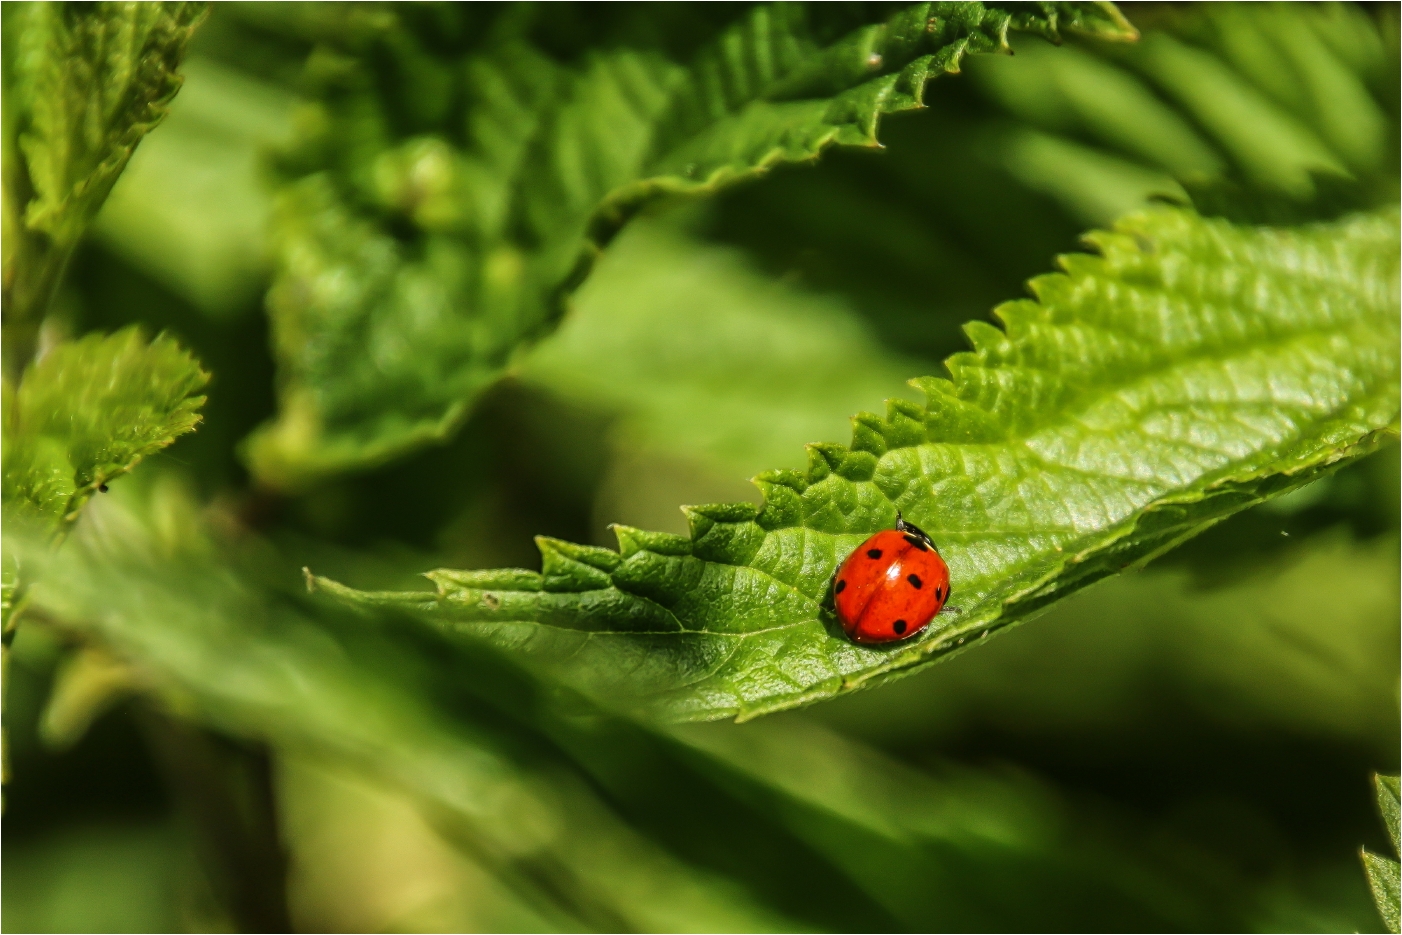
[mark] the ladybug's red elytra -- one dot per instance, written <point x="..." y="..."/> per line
<point x="892" y="586"/>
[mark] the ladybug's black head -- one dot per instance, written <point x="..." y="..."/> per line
<point x="911" y="529"/>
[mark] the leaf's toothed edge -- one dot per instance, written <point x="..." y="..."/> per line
<point x="733" y="535"/>
<point x="696" y="144"/>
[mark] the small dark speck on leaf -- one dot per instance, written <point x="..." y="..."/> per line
<point x="102" y="488"/>
<point x="491" y="600"/>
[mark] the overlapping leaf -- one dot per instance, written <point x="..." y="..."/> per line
<point x="89" y="411"/>
<point x="1191" y="370"/>
<point x="83" y="84"/>
<point x="428" y="238"/>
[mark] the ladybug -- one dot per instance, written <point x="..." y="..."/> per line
<point x="892" y="586"/>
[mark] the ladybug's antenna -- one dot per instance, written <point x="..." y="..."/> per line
<point x="910" y="529"/>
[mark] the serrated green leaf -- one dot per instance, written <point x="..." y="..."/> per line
<point x="1387" y="789"/>
<point x="86" y="413"/>
<point x="1384" y="873"/>
<point x="1385" y="880"/>
<point x="1191" y="370"/>
<point x="83" y="84"/>
<point x="412" y="266"/>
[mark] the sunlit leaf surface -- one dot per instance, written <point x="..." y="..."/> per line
<point x="1190" y="370"/>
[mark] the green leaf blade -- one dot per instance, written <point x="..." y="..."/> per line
<point x="95" y="80"/>
<point x="83" y="84"/>
<point x="1387" y="790"/>
<point x="87" y="412"/>
<point x="1192" y="369"/>
<point x="1385" y="880"/>
<point x="1384" y="874"/>
<point x="476" y="247"/>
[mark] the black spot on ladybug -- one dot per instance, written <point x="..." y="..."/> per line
<point x="102" y="488"/>
<point x="873" y="553"/>
<point x="915" y="582"/>
<point x="840" y="586"/>
<point x="917" y="542"/>
<point x="938" y="595"/>
<point x="898" y="626"/>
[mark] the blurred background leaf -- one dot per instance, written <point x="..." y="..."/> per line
<point x="83" y="84"/>
<point x="459" y="170"/>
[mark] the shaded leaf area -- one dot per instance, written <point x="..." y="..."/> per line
<point x="574" y="815"/>
<point x="704" y="356"/>
<point x="89" y="411"/>
<point x="83" y="84"/>
<point x="1384" y="876"/>
<point x="193" y="206"/>
<point x="460" y="172"/>
<point x="918" y="235"/>
<point x="1193" y="369"/>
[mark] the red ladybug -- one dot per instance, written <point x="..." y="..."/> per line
<point x="892" y="586"/>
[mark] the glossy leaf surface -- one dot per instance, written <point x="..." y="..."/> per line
<point x="1192" y="369"/>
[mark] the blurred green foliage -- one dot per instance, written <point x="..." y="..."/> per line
<point x="196" y="742"/>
